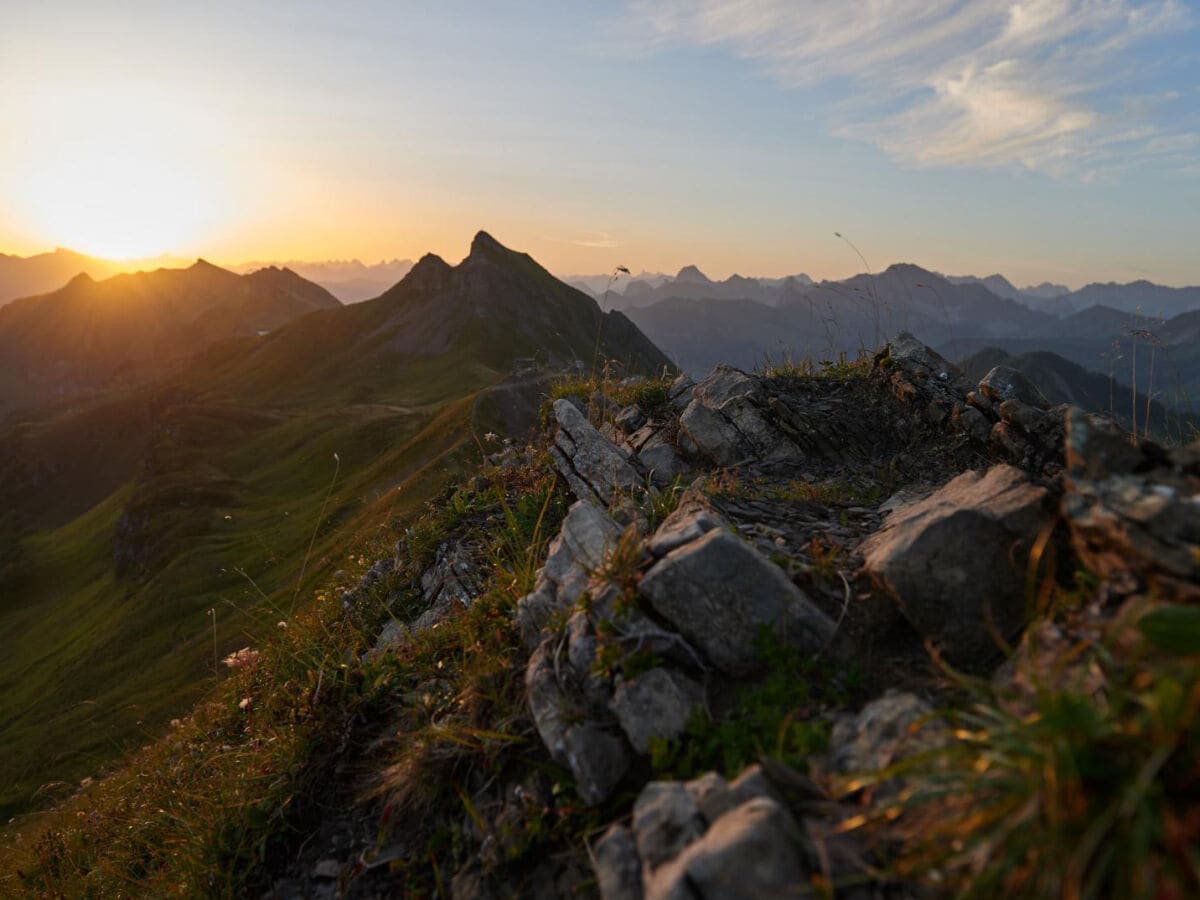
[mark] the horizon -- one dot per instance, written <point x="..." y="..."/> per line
<point x="175" y="261"/>
<point x="1045" y="141"/>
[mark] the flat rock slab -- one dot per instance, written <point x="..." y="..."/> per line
<point x="955" y="562"/>
<point x="589" y="458"/>
<point x="720" y="593"/>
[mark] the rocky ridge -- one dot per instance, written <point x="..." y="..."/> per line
<point x="863" y="519"/>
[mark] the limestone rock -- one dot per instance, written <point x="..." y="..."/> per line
<point x="886" y="730"/>
<point x="665" y="820"/>
<point x="618" y="866"/>
<point x="955" y="561"/>
<point x="630" y="419"/>
<point x="586" y="459"/>
<point x="1006" y="383"/>
<point x="753" y="851"/>
<point x="655" y="704"/>
<point x="662" y="463"/>
<point x="718" y="591"/>
<point x="587" y="533"/>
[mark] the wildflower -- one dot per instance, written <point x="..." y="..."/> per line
<point x="491" y="437"/>
<point x="241" y="659"/>
<point x="282" y="624"/>
<point x="245" y="704"/>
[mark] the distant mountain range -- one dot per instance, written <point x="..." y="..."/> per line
<point x="90" y="335"/>
<point x="23" y="276"/>
<point x="351" y="281"/>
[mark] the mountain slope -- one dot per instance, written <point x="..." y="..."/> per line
<point x="88" y="334"/>
<point x="231" y="484"/>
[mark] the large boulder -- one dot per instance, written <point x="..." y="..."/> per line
<point x="721" y="593"/>
<point x="955" y="562"/>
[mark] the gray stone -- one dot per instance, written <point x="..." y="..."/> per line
<point x="665" y="820"/>
<point x="680" y="392"/>
<point x="728" y="421"/>
<point x="885" y="731"/>
<point x="719" y="592"/>
<point x="753" y="851"/>
<point x="1027" y="418"/>
<point x="662" y="463"/>
<point x="655" y="704"/>
<point x="693" y="518"/>
<point x="597" y="758"/>
<point x="630" y="419"/>
<point x="1006" y="383"/>
<point x="586" y="535"/>
<point x="588" y="458"/>
<point x="712" y="795"/>
<point x="617" y="865"/>
<point x="955" y="561"/>
<point x="752" y="782"/>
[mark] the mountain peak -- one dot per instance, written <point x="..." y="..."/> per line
<point x="485" y="243"/>
<point x="693" y="275"/>
<point x="429" y="274"/>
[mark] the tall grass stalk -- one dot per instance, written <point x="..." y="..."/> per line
<point x="337" y="468"/>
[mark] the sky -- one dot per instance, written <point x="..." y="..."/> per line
<point x="1045" y="139"/>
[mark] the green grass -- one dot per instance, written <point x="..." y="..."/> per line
<point x="98" y="660"/>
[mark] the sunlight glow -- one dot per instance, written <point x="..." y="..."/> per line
<point x="117" y="184"/>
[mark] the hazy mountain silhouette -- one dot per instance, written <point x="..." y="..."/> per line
<point x="351" y="281"/>
<point x="23" y="276"/>
<point x="89" y="334"/>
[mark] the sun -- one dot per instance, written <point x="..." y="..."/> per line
<point x="108" y="172"/>
<point x="117" y="199"/>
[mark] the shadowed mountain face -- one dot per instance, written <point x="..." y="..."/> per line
<point x="126" y="516"/>
<point x="91" y="334"/>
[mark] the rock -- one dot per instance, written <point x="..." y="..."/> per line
<point x="692" y="518"/>
<point x="655" y="704"/>
<point x="617" y="865"/>
<point x="718" y="591"/>
<point x="753" y="851"/>
<point x="597" y="759"/>
<point x="1133" y="510"/>
<point x="586" y="535"/>
<point x="752" y="782"/>
<point x="728" y="421"/>
<point x="921" y="376"/>
<point x="973" y="422"/>
<point x="665" y="820"/>
<point x="712" y="796"/>
<point x="1006" y="383"/>
<point x="327" y="868"/>
<point x="955" y="561"/>
<point x="680" y="392"/>
<point x="887" y="729"/>
<point x="585" y="458"/>
<point x="662" y="462"/>
<point x="1027" y="418"/>
<point x="630" y="419"/>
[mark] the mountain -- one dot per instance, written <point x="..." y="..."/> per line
<point x="997" y="284"/>
<point x="826" y="319"/>
<point x="23" y="276"/>
<point x="233" y="480"/>
<point x="1045" y="291"/>
<point x="89" y="334"/>
<point x="1142" y="297"/>
<point x="351" y="281"/>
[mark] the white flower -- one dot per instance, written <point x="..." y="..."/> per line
<point x="245" y="704"/>
<point x="241" y="659"/>
<point x="491" y="437"/>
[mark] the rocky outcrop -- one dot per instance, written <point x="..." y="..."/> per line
<point x="955" y="562"/>
<point x="594" y="468"/>
<point x="728" y="421"/>
<point x="1133" y="512"/>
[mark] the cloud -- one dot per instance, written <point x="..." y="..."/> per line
<point x="593" y="241"/>
<point x="988" y="83"/>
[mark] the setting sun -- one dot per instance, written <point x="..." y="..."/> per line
<point x="116" y="179"/>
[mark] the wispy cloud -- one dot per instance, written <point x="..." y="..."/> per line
<point x="1036" y="84"/>
<point x="595" y="240"/>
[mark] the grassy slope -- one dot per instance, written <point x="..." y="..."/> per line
<point x="120" y="656"/>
